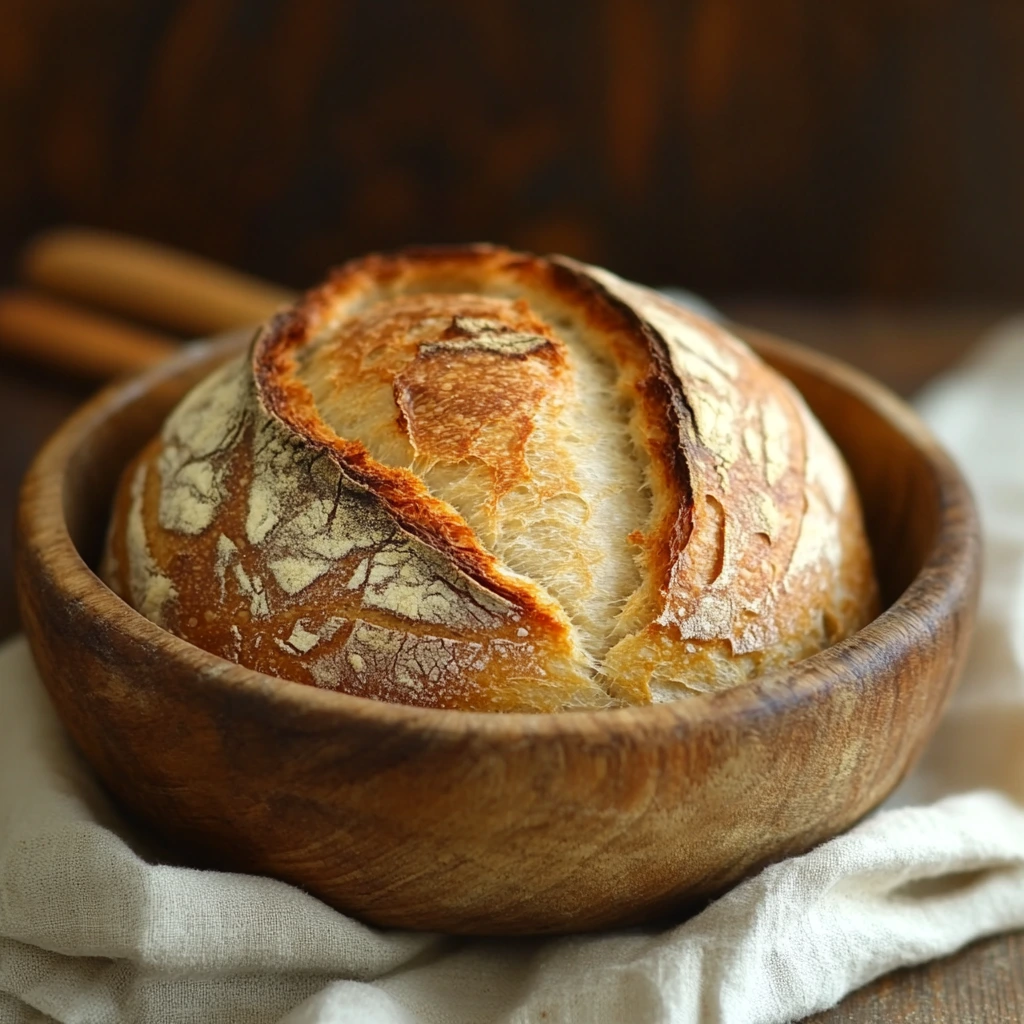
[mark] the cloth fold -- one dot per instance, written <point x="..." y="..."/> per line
<point x="96" y="928"/>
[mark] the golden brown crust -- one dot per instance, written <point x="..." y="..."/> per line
<point x="473" y="393"/>
<point x="253" y="528"/>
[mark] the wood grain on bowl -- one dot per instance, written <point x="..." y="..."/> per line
<point x="488" y="823"/>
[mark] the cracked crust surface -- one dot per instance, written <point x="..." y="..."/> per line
<point x="473" y="478"/>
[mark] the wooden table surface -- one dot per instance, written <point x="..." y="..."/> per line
<point x="902" y="347"/>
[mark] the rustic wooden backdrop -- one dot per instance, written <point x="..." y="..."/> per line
<point x="828" y="148"/>
<point x="831" y="148"/>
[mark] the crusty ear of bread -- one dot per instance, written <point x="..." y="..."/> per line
<point x="473" y="478"/>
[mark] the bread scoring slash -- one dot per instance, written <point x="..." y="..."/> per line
<point x="479" y="479"/>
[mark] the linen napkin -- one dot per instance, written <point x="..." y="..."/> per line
<point x="94" y="929"/>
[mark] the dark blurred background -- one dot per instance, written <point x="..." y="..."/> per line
<point x="825" y="149"/>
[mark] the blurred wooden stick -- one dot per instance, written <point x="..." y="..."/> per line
<point x="149" y="282"/>
<point x="73" y="340"/>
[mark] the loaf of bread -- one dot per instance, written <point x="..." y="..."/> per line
<point x="473" y="478"/>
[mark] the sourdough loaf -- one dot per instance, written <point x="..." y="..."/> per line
<point x="473" y="478"/>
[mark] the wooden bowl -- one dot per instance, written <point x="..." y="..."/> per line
<point x="488" y="823"/>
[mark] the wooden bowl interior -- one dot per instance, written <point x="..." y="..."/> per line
<point x="898" y="488"/>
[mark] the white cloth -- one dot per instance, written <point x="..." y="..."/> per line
<point x="94" y="930"/>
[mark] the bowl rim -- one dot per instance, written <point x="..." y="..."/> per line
<point x="951" y="568"/>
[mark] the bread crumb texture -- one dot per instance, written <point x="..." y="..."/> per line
<point x="472" y="478"/>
